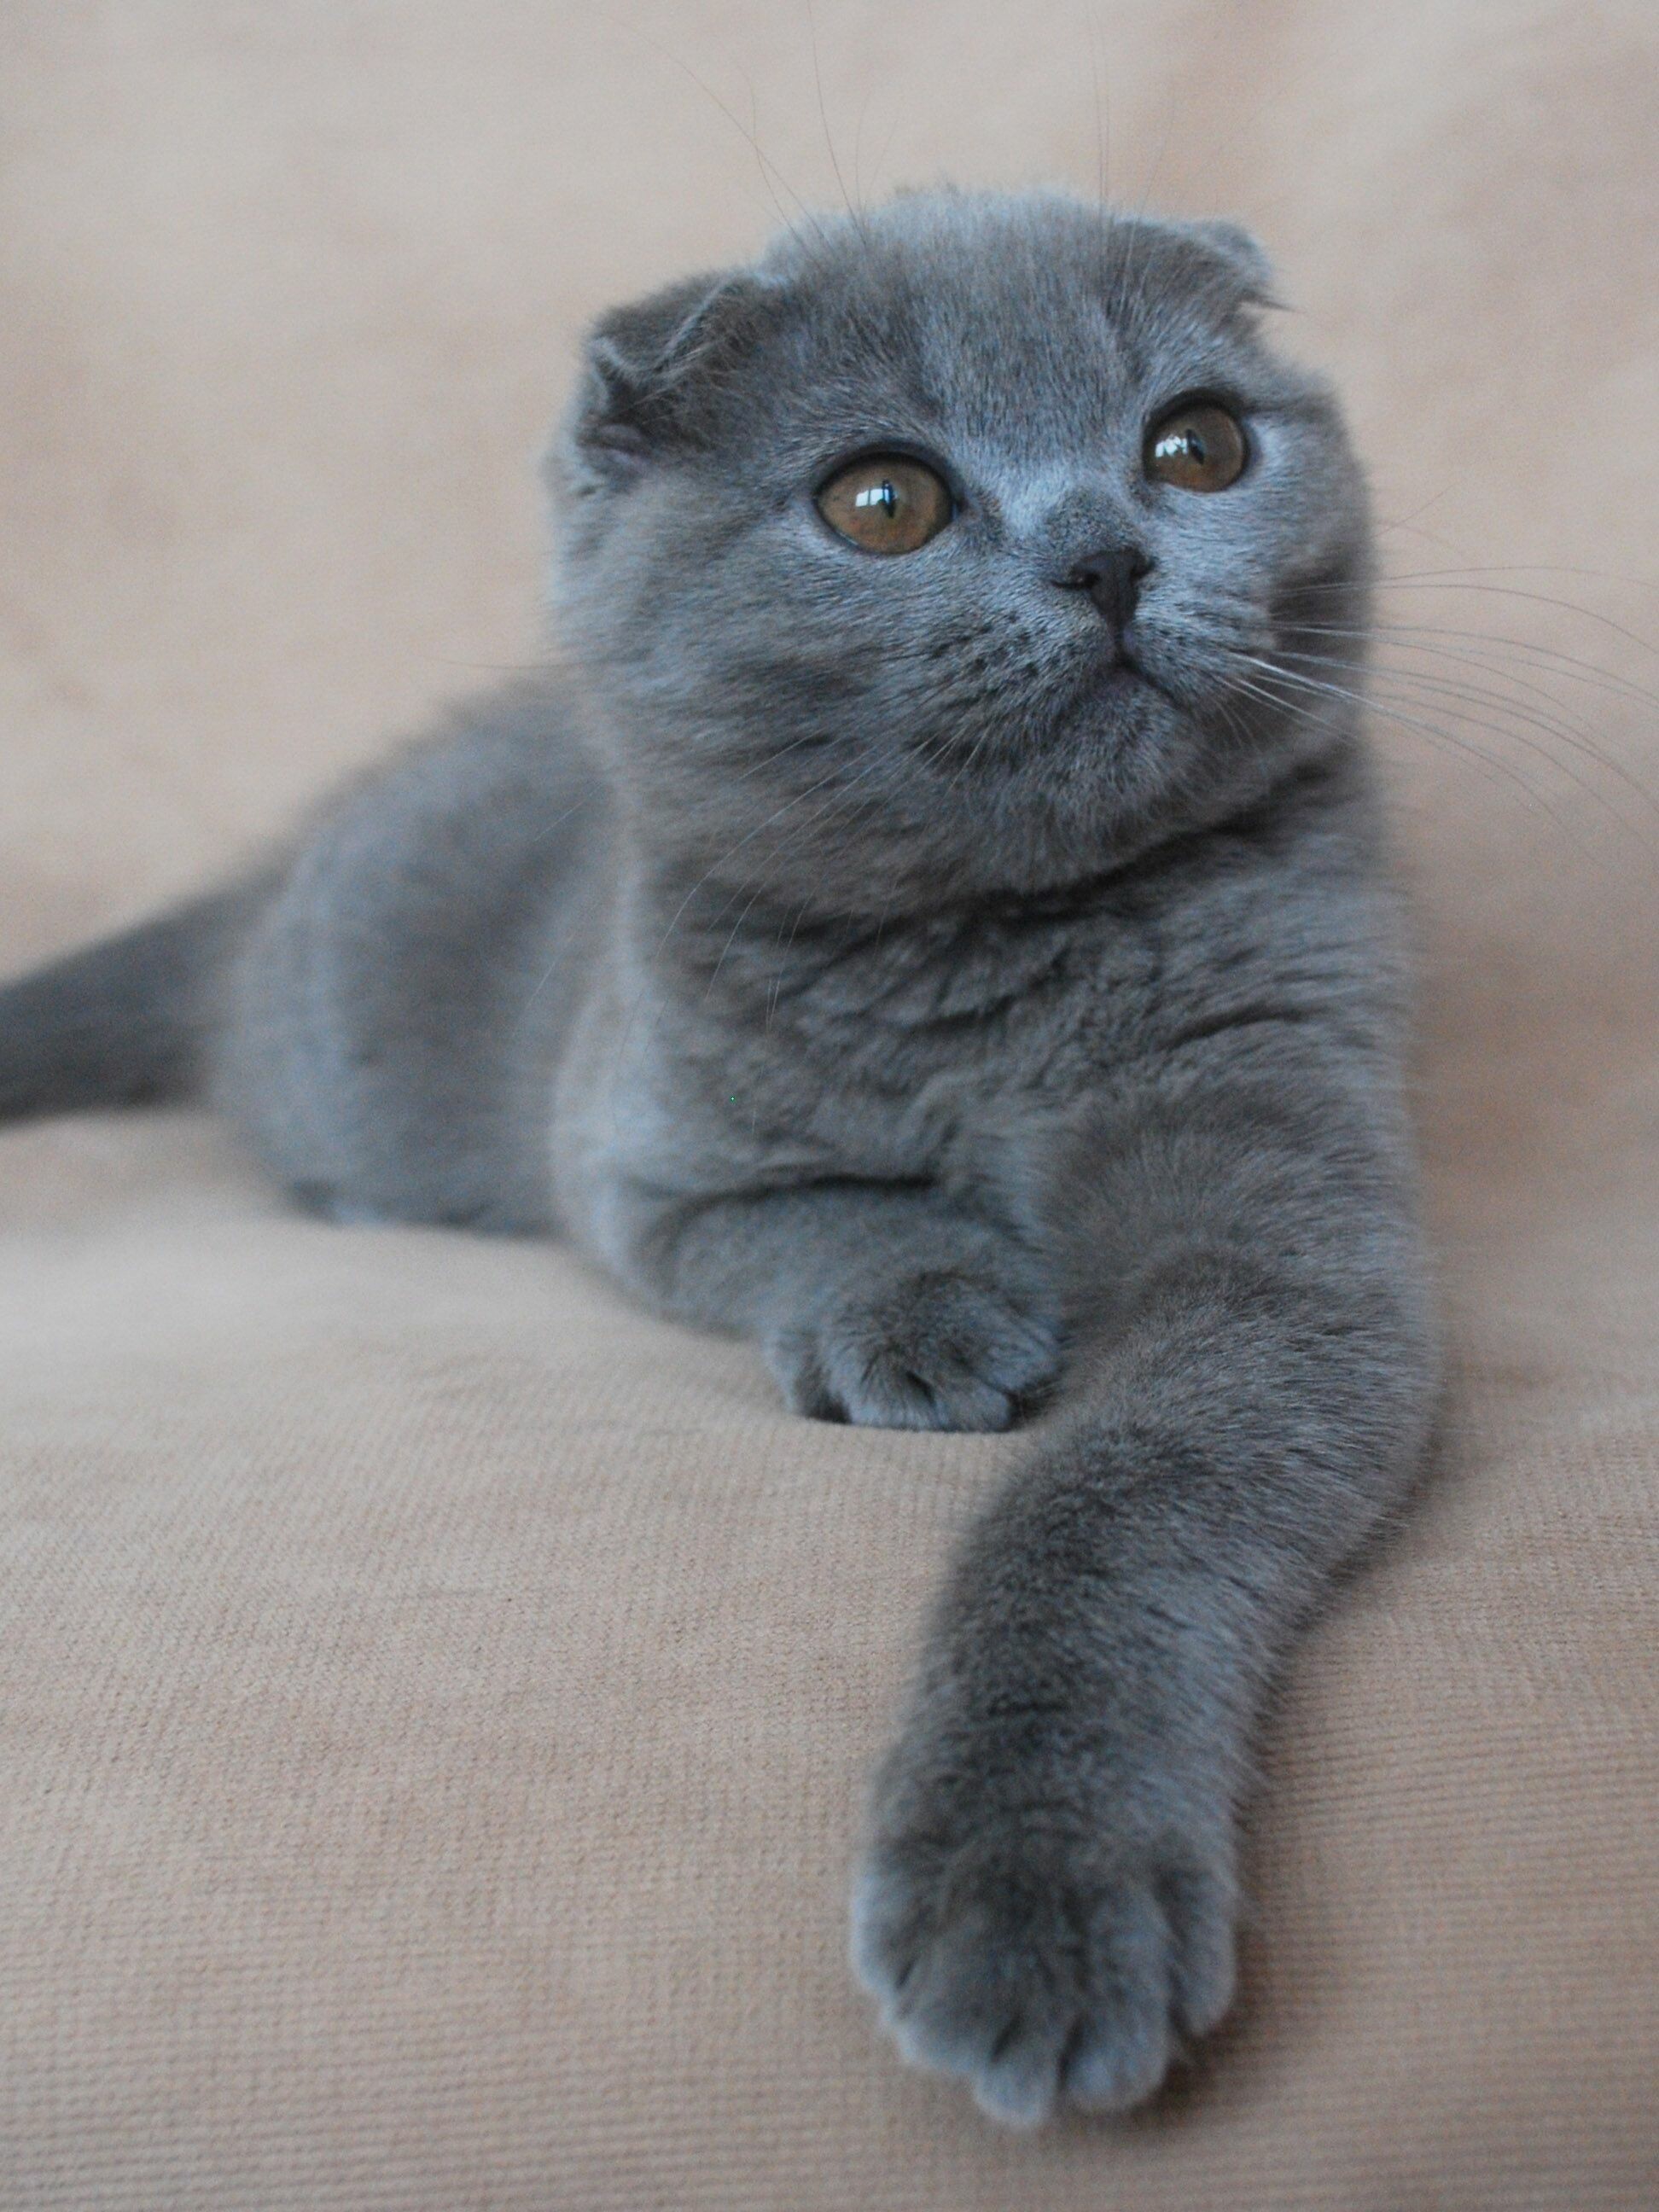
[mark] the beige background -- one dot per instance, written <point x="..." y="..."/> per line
<point x="436" y="1700"/>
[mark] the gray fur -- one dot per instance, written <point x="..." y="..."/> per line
<point x="850" y="951"/>
<point x="129" y="1020"/>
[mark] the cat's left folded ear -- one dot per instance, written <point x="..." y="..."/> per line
<point x="648" y="365"/>
<point x="1241" y="255"/>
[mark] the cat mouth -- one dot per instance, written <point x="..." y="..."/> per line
<point x="1121" y="672"/>
<point x="1124" y="673"/>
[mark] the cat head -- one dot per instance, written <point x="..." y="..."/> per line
<point x="940" y="551"/>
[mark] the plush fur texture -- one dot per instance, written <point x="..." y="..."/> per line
<point x="988" y="1003"/>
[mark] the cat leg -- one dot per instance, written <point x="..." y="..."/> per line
<point x="1047" y="1904"/>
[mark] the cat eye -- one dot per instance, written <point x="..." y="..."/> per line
<point x="886" y="504"/>
<point x="1198" y="446"/>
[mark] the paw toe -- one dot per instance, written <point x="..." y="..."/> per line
<point x="1039" y="1983"/>
<point x="936" y="1351"/>
<point x="1202" y="1909"/>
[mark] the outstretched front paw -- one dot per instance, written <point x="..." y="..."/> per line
<point x="1041" y="1961"/>
<point x="932" y="1350"/>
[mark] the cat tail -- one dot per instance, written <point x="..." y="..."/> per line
<point x="126" y="1021"/>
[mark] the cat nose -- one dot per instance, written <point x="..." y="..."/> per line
<point x="1112" y="578"/>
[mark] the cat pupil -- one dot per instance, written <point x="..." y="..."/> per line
<point x="881" y="495"/>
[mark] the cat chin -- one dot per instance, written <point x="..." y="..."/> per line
<point x="1114" y="716"/>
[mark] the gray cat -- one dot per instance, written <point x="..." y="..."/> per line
<point x="936" y="926"/>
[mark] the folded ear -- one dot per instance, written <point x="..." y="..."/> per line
<point x="1238" y="251"/>
<point x="648" y="365"/>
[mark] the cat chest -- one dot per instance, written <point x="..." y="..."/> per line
<point x="954" y="1069"/>
<point x="937" y="1095"/>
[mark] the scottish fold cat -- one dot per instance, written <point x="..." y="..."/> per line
<point x="927" y="920"/>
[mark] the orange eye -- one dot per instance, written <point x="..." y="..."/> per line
<point x="1198" y="447"/>
<point x="886" y="504"/>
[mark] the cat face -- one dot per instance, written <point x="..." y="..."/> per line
<point x="938" y="552"/>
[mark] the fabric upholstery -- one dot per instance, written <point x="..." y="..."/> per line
<point x="436" y="1700"/>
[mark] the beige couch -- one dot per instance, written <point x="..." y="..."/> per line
<point x="436" y="1700"/>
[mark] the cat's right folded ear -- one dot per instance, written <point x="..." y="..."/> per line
<point x="650" y="367"/>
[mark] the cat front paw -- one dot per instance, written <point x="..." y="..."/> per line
<point x="936" y="1349"/>
<point x="1041" y="1963"/>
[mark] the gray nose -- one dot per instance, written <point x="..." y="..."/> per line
<point x="1113" y="579"/>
